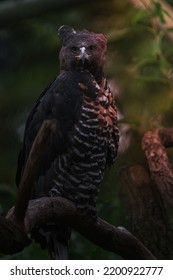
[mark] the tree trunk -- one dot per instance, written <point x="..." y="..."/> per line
<point x="148" y="195"/>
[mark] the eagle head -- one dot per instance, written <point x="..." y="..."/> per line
<point x="82" y="50"/>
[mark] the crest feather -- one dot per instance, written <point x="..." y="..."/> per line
<point x="64" y="32"/>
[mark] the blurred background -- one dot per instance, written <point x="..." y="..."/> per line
<point x="139" y="68"/>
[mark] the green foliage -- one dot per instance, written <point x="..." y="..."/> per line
<point x="140" y="63"/>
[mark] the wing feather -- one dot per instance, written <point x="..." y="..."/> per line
<point x="61" y="100"/>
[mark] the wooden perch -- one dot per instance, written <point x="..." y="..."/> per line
<point x="101" y="233"/>
<point x="12" y="238"/>
<point x="114" y="239"/>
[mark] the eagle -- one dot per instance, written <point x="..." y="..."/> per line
<point x="86" y="138"/>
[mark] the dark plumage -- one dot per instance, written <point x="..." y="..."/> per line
<point x="87" y="136"/>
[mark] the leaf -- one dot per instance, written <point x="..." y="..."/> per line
<point x="158" y="11"/>
<point x="139" y="16"/>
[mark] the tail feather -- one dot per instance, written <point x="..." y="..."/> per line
<point x="54" y="238"/>
<point x="56" y="249"/>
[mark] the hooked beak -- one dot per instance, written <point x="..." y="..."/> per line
<point x="83" y="56"/>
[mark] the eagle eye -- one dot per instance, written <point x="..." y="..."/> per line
<point x="91" y="48"/>
<point x="74" y="49"/>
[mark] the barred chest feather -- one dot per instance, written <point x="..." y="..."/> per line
<point x="80" y="171"/>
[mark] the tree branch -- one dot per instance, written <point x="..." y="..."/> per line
<point x="12" y="238"/>
<point x="101" y="233"/>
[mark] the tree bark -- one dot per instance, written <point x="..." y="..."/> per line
<point x="146" y="211"/>
<point x="153" y="144"/>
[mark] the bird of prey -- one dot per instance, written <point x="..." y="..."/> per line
<point x="86" y="138"/>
